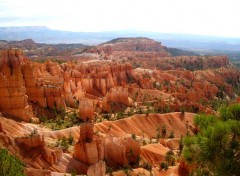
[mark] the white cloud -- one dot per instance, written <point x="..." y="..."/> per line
<point x="211" y="17"/>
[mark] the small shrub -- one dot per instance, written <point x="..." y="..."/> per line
<point x="170" y="159"/>
<point x="126" y="169"/>
<point x="73" y="117"/>
<point x="163" y="165"/>
<point x="147" y="166"/>
<point x="158" y="135"/>
<point x="180" y="145"/>
<point x="43" y="118"/>
<point x="164" y="130"/>
<point x="70" y="139"/>
<point x="109" y="170"/>
<point x="64" y="143"/>
<point x="74" y="172"/>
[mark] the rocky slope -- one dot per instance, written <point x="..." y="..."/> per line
<point x="103" y="113"/>
<point x="118" y="149"/>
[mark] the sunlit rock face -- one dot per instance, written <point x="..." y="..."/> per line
<point x="13" y="98"/>
<point x="19" y="85"/>
<point x="86" y="110"/>
<point x="121" y="151"/>
<point x="88" y="149"/>
<point x="97" y="169"/>
<point x="51" y="85"/>
<point x="114" y="96"/>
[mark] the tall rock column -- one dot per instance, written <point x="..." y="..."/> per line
<point x="90" y="151"/>
<point x="13" y="98"/>
<point x="86" y="109"/>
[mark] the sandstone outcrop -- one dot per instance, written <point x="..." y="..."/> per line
<point x="37" y="172"/>
<point x="86" y="132"/>
<point x="93" y="79"/>
<point x="154" y="153"/>
<point x="115" y="96"/>
<point x="131" y="79"/>
<point x="52" y="156"/>
<point x="20" y="84"/>
<point x="115" y="151"/>
<point x="50" y="85"/>
<point x="148" y="124"/>
<point x="172" y="144"/>
<point x="34" y="145"/>
<point x="13" y="98"/>
<point x="98" y="169"/>
<point x="88" y="150"/>
<point x="29" y="142"/>
<point x="86" y="110"/>
<point x="121" y="151"/>
<point x="44" y="85"/>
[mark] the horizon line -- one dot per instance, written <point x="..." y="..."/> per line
<point x="125" y="30"/>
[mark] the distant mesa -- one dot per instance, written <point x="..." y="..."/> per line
<point x="198" y="44"/>
<point x="135" y="44"/>
<point x="138" y="44"/>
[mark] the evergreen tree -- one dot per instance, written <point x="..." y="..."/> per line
<point x="215" y="150"/>
<point x="10" y="165"/>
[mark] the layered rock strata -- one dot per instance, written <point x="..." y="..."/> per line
<point x="13" y="98"/>
<point x="121" y="151"/>
<point x="88" y="150"/>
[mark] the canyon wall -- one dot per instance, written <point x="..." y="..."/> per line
<point x="50" y="85"/>
<point x="13" y="98"/>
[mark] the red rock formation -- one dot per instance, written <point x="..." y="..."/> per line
<point x="88" y="153"/>
<point x="37" y="172"/>
<point x="154" y="153"/>
<point x="20" y="82"/>
<point x="13" y="99"/>
<point x="44" y="84"/>
<point x="86" y="111"/>
<point x="34" y="145"/>
<point x="49" y="85"/>
<point x="121" y="151"/>
<point x="94" y="79"/>
<point x="52" y="156"/>
<point x="37" y="155"/>
<point x="34" y="141"/>
<point x="86" y="132"/>
<point x="148" y="124"/>
<point x="98" y="169"/>
<point x="172" y="144"/>
<point x="118" y="95"/>
<point x="35" y="93"/>
<point x="136" y="44"/>
<point x="88" y="150"/>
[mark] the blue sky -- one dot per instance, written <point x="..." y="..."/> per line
<point x="207" y="17"/>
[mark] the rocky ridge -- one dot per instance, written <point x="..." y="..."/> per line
<point x="106" y="114"/>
